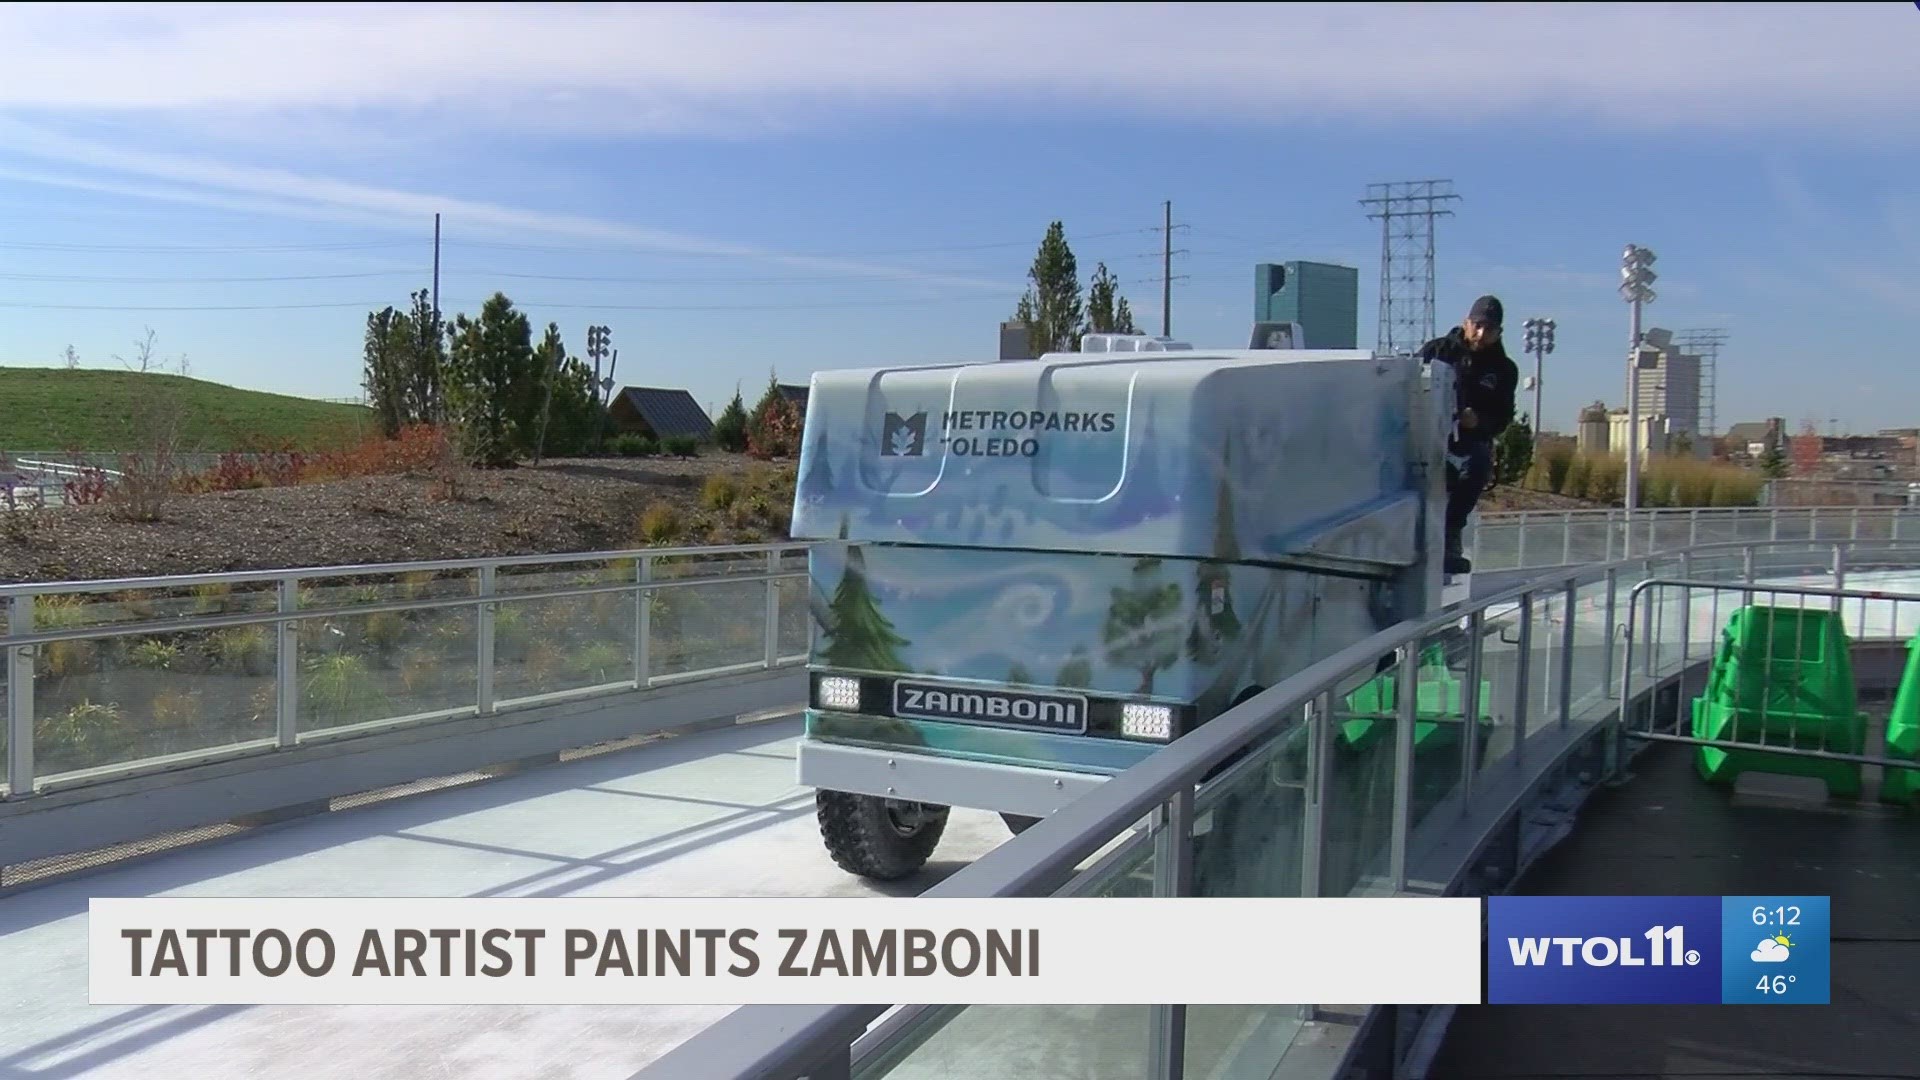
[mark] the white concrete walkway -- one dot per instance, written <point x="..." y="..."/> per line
<point x="711" y="814"/>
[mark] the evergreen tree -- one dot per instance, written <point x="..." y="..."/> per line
<point x="1051" y="309"/>
<point x="773" y="430"/>
<point x="1773" y="464"/>
<point x="862" y="638"/>
<point x="1513" y="452"/>
<point x="384" y="377"/>
<point x="426" y="362"/>
<point x="570" y="415"/>
<point x="492" y="375"/>
<point x="1142" y="630"/>
<point x="1103" y="294"/>
<point x="730" y="431"/>
<point x="1107" y="310"/>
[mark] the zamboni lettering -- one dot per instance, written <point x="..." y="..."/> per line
<point x="911" y="952"/>
<point x="1604" y="951"/>
<point x="961" y="704"/>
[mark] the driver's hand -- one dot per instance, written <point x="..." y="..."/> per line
<point x="1469" y="419"/>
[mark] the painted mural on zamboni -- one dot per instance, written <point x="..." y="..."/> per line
<point x="1310" y="456"/>
<point x="1190" y="632"/>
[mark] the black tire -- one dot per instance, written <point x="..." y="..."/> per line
<point x="882" y="839"/>
<point x="1017" y="824"/>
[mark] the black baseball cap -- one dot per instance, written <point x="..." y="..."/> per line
<point x="1487" y="310"/>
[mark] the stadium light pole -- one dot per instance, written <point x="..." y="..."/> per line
<point x="1636" y="288"/>
<point x="1538" y="340"/>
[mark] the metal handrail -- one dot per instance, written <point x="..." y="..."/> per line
<point x="1507" y="518"/>
<point x="236" y="577"/>
<point x="814" y="1041"/>
<point x="155" y="627"/>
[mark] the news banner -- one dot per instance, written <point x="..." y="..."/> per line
<point x="1504" y="950"/>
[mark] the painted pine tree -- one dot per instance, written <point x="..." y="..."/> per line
<point x="1077" y="672"/>
<point x="817" y="483"/>
<point x="1214" y="623"/>
<point x="1143" y="624"/>
<point x="862" y="638"/>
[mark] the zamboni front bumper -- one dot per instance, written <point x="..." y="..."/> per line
<point x="1056" y="771"/>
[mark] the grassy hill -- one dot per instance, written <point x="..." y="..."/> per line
<point x="50" y="409"/>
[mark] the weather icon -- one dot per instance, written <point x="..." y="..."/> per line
<point x="1773" y="950"/>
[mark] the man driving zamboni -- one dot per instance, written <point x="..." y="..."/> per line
<point x="1485" y="381"/>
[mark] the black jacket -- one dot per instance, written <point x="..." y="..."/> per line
<point x="1484" y="381"/>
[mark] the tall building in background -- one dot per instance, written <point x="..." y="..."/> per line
<point x="1015" y="342"/>
<point x="1322" y="297"/>
<point x="1671" y="389"/>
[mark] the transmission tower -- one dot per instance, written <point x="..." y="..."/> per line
<point x="1704" y="344"/>
<point x="1407" y="211"/>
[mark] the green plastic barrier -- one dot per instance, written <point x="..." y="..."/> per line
<point x="1441" y="702"/>
<point x="1781" y="677"/>
<point x="1903" y="732"/>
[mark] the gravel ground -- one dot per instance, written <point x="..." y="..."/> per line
<point x="561" y="506"/>
<point x="1504" y="499"/>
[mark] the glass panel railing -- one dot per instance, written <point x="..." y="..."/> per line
<point x="564" y="643"/>
<point x="1357" y="811"/>
<point x="1251" y="840"/>
<point x="994" y="1042"/>
<point x="113" y="702"/>
<point x="1045" y="1042"/>
<point x="6" y="700"/>
<point x="706" y="626"/>
<point x="1439" y="736"/>
<point x="356" y="670"/>
<point x="1593" y="539"/>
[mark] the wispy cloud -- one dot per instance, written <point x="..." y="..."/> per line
<point x="744" y="68"/>
<point x="279" y="192"/>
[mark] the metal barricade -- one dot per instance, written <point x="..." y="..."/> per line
<point x="1780" y="677"/>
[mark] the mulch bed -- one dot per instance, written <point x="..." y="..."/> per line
<point x="561" y="506"/>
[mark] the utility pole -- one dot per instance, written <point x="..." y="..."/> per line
<point x="1407" y="212"/>
<point x="1166" y="272"/>
<point x="1636" y="287"/>
<point x="1539" y="342"/>
<point x="1167" y="279"/>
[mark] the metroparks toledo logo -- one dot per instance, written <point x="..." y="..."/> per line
<point x="904" y="436"/>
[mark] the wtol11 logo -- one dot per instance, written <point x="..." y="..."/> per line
<point x="1603" y="950"/>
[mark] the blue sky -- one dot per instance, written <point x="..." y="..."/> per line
<point x="739" y="188"/>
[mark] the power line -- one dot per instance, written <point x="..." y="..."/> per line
<point x="176" y="280"/>
<point x="871" y="253"/>
<point x="1407" y="211"/>
<point x="217" y="249"/>
<point x="187" y="307"/>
